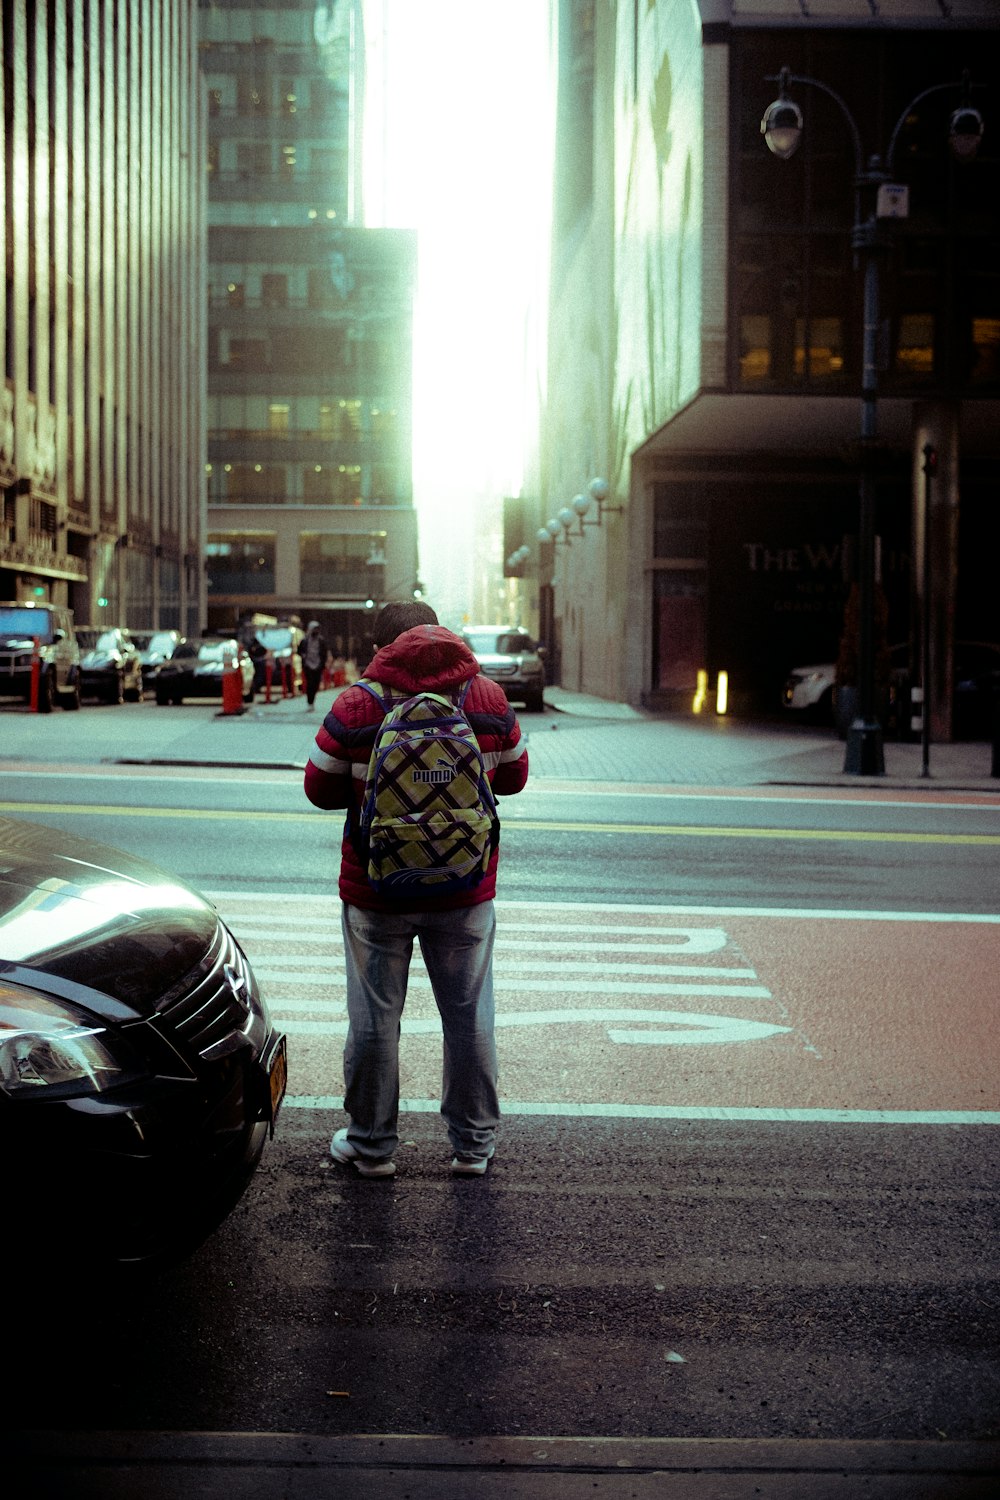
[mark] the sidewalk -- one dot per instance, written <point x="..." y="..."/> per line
<point x="579" y="738"/>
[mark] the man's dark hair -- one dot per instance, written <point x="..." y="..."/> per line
<point x="393" y="619"/>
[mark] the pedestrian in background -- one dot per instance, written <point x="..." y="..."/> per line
<point x="414" y="653"/>
<point x="314" y="652"/>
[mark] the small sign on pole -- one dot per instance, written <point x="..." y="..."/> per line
<point x="893" y="201"/>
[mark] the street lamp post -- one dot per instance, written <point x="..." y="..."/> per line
<point x="876" y="198"/>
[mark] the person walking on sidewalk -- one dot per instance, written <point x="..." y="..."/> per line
<point x="314" y="653"/>
<point x="414" y="653"/>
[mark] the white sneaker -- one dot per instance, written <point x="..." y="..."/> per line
<point x="470" y="1166"/>
<point x="343" y="1152"/>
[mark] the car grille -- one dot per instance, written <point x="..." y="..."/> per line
<point x="211" y="1018"/>
<point x="14" y="661"/>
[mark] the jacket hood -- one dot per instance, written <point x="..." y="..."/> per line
<point x="426" y="658"/>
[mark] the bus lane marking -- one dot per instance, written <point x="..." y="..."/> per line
<point x="896" y="1029"/>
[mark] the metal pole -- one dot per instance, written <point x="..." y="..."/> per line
<point x="864" y="755"/>
<point x="930" y="464"/>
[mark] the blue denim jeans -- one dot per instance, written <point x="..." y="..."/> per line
<point x="457" y="948"/>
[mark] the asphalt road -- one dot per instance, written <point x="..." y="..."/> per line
<point x="228" y="829"/>
<point x="747" y="1184"/>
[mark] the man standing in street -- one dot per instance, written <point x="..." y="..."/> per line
<point x="314" y="653"/>
<point x="455" y="931"/>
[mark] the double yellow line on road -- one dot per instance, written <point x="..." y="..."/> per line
<point x="532" y="825"/>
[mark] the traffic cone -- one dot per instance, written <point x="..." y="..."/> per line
<point x="232" y="692"/>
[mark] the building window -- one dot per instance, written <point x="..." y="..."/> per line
<point x="253" y="158"/>
<point x="240" y="562"/>
<point x="345" y="566"/>
<point x="755" y="348"/>
<point x="249" y="354"/>
<point x="256" y="484"/>
<point x="347" y="484"/>
<point x="318" y="484"/>
<point x="986" y="347"/>
<point x="915" y="344"/>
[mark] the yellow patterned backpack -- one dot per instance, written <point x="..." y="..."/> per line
<point x="428" y="823"/>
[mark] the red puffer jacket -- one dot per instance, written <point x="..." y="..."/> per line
<point x="430" y="659"/>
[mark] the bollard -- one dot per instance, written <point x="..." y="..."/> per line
<point x="36" y="672"/>
<point x="232" y="692"/>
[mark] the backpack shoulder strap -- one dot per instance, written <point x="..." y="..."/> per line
<point x="373" y="689"/>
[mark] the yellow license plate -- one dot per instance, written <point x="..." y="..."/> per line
<point x="278" y="1079"/>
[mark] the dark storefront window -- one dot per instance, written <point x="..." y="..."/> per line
<point x="795" y="293"/>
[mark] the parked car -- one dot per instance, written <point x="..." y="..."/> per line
<point x="140" y="1073"/>
<point x="59" y="654"/>
<point x="281" y="645"/>
<point x="155" y="647"/>
<point x="196" y="668"/>
<point x="509" y="656"/>
<point x="110" y="668"/>
<point x="808" y="691"/>
<point x="811" y="692"/>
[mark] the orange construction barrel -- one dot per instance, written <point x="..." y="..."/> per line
<point x="232" y="690"/>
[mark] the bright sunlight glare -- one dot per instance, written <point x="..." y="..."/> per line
<point x="458" y="143"/>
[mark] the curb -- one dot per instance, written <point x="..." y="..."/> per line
<point x="167" y="1466"/>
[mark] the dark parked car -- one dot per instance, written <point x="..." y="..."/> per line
<point x="196" y="669"/>
<point x="155" y="647"/>
<point x="58" y="654"/>
<point x="140" y="1074"/>
<point x="110" y="668"/>
<point x="508" y="655"/>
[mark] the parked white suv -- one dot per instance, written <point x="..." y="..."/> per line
<point x="58" y="653"/>
<point x="508" y="655"/>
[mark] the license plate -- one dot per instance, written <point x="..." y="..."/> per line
<point x="278" y="1079"/>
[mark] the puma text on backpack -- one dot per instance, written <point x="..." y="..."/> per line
<point x="428" y="824"/>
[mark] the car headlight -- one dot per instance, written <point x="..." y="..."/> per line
<point x="51" y="1045"/>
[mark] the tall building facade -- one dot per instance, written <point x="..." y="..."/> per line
<point x="310" y="507"/>
<point x="714" y="376"/>
<point x="102" y="306"/>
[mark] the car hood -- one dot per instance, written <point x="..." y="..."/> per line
<point x="99" y="658"/>
<point x="74" y="913"/>
<point x="826" y="667"/>
<point x="498" y="658"/>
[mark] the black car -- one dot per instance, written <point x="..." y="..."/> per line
<point x="110" y="668"/>
<point x="197" y="667"/>
<point x="140" y="1074"/>
<point x="154" y="647"/>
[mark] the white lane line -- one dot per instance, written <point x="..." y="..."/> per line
<point x="738" y="1115"/>
<point x="555" y="911"/>
<point x="687" y="1028"/>
<point x="510" y="966"/>
<point x="525" y="984"/>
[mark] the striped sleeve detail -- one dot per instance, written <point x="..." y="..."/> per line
<point x="514" y="753"/>
<point x="329" y="763"/>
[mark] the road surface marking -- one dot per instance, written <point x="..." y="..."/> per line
<point x="689" y="1027"/>
<point x="639" y="830"/>
<point x="750" y="1115"/>
<point x="556" y="911"/>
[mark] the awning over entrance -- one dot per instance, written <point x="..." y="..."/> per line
<point x="817" y="426"/>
